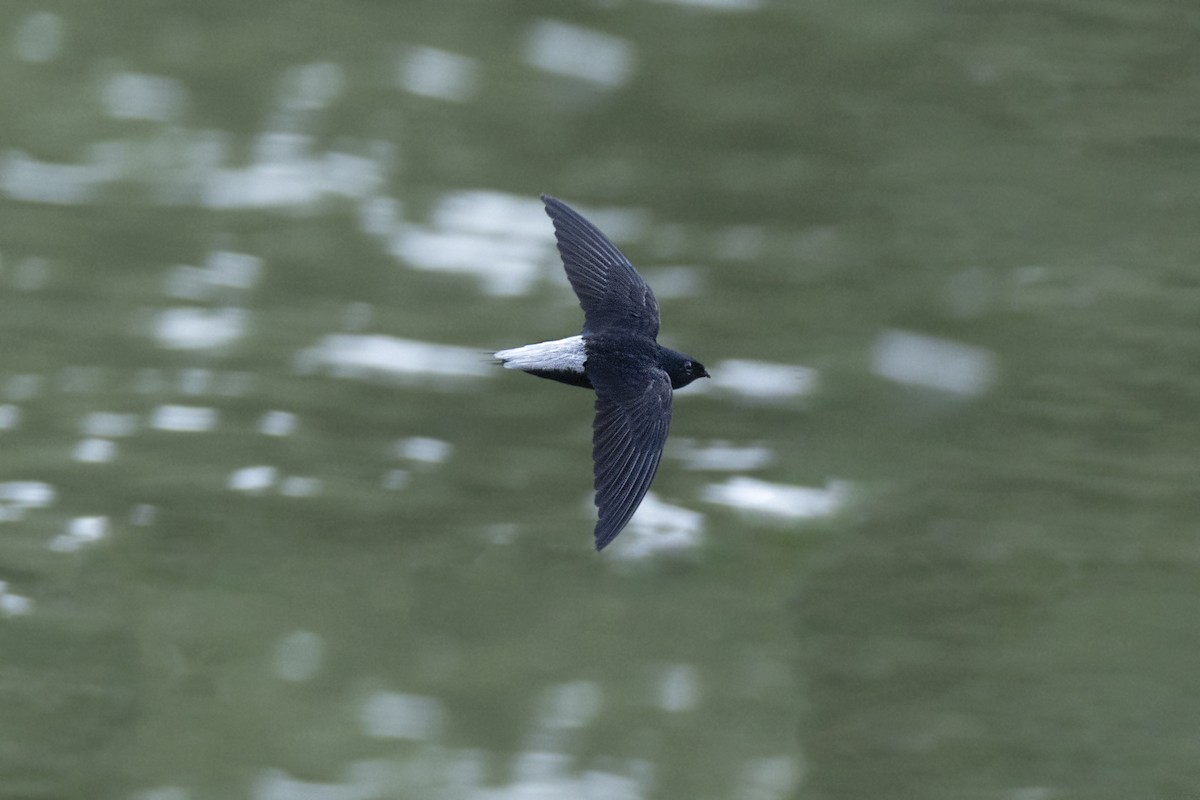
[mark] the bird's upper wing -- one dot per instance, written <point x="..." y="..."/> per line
<point x="633" y="414"/>
<point x="608" y="287"/>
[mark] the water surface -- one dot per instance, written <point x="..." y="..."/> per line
<point x="272" y="525"/>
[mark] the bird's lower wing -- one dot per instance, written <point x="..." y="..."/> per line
<point x="632" y="420"/>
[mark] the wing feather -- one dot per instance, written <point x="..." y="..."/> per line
<point x="609" y="289"/>
<point x="629" y="433"/>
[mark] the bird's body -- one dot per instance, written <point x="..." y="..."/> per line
<point x="618" y="356"/>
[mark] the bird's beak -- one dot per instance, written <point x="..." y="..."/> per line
<point x="704" y="373"/>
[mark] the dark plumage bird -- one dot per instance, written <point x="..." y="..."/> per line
<point x="618" y="356"/>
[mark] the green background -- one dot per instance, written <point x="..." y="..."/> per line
<point x="1006" y="607"/>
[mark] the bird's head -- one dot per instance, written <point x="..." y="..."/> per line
<point x="683" y="369"/>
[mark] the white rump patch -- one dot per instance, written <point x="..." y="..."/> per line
<point x="560" y="355"/>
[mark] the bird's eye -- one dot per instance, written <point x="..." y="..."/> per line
<point x="689" y="365"/>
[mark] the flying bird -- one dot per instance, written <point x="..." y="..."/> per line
<point x="617" y="355"/>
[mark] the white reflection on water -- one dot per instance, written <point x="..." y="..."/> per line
<point x="17" y="497"/>
<point x="81" y="531"/>
<point x="23" y="177"/>
<point x="259" y="478"/>
<point x="779" y="500"/>
<point x="188" y="328"/>
<point x="504" y="240"/>
<point x="310" y="87"/>
<point x="164" y="793"/>
<point x="344" y="355"/>
<point x="721" y="456"/>
<point x="431" y="72"/>
<point x="679" y="688"/>
<point x="277" y="423"/>
<point x="398" y="715"/>
<point x="288" y="172"/>
<point x="31" y="274"/>
<point x="132" y="95"/>
<point x="942" y="364"/>
<point x="658" y="528"/>
<point x="424" y="449"/>
<point x="500" y="238"/>
<point x="720" y="5"/>
<point x="39" y="37"/>
<point x="276" y="784"/>
<point x="13" y="605"/>
<point x="253" y="479"/>
<point x="22" y="495"/>
<point x="599" y="58"/>
<point x="671" y="283"/>
<point x="109" y="425"/>
<point x="772" y="778"/>
<point x="10" y="416"/>
<point x="461" y="774"/>
<point x="494" y="213"/>
<point x="224" y="271"/>
<point x="763" y="380"/>
<point x="23" y="387"/>
<point x="94" y="451"/>
<point x="184" y="419"/>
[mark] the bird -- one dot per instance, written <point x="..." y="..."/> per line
<point x="618" y="356"/>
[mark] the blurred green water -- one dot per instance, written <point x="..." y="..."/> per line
<point x="1006" y="612"/>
